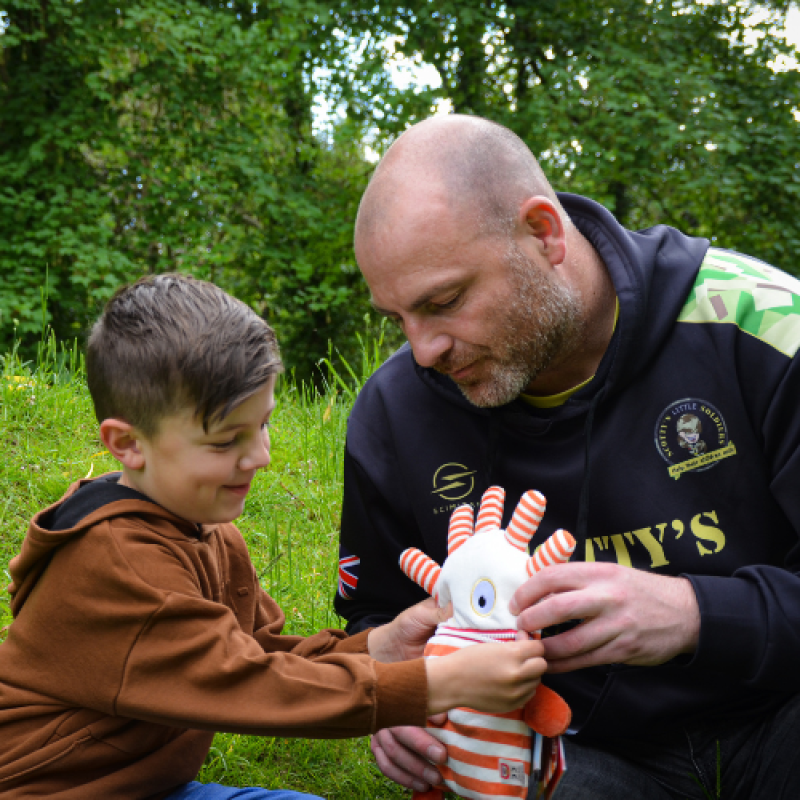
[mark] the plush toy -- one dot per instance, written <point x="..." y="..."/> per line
<point x="489" y="755"/>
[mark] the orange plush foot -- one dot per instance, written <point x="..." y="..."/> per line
<point x="547" y="713"/>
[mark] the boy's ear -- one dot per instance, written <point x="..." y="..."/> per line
<point x="122" y="441"/>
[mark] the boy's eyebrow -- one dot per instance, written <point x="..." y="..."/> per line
<point x="422" y="299"/>
<point x="225" y="428"/>
<point x="235" y="426"/>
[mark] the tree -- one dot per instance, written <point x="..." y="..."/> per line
<point x="173" y="135"/>
<point x="665" y="111"/>
<point x="179" y="134"/>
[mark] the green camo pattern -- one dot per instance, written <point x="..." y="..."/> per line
<point x="737" y="290"/>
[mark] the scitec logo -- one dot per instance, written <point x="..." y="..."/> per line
<point x="453" y="481"/>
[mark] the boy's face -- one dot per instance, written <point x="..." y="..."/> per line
<point x="205" y="477"/>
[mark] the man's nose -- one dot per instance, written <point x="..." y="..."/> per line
<point x="427" y="342"/>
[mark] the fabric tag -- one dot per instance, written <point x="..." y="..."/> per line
<point x="512" y="771"/>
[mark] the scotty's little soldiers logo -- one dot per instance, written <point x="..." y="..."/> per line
<point x="692" y="436"/>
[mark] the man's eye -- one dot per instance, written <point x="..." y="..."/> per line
<point x="223" y="445"/>
<point x="449" y="303"/>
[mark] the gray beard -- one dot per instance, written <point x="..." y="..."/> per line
<point x="541" y="324"/>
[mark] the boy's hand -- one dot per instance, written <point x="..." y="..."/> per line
<point x="406" y="635"/>
<point x="486" y="677"/>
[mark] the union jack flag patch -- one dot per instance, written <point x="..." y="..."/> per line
<point x="348" y="573"/>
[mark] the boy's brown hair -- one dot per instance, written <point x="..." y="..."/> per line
<point x="170" y="342"/>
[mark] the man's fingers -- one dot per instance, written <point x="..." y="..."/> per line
<point x="398" y="773"/>
<point x="555" y="609"/>
<point x="609" y="653"/>
<point x="401" y="754"/>
<point x="589" y="636"/>
<point x="416" y="741"/>
<point x="558" y="578"/>
<point x="627" y="617"/>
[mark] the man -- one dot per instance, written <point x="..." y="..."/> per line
<point x="551" y="349"/>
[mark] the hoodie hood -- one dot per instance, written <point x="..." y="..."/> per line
<point x="86" y="503"/>
<point x="649" y="271"/>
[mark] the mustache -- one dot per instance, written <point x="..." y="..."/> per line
<point x="453" y="362"/>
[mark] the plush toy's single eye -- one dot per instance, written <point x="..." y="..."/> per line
<point x="483" y="597"/>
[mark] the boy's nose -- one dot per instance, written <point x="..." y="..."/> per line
<point x="257" y="457"/>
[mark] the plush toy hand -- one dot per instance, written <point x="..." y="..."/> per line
<point x="547" y="713"/>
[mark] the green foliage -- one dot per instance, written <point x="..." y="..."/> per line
<point x="163" y="135"/>
<point x="665" y="111"/>
<point x="173" y="135"/>
<point x="338" y="770"/>
<point x="291" y="521"/>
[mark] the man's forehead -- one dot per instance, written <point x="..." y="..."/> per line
<point x="401" y="197"/>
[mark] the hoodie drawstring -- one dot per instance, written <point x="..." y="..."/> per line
<point x="582" y="526"/>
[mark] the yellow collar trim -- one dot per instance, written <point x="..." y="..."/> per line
<point x="555" y="400"/>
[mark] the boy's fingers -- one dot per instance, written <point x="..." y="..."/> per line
<point x="528" y="648"/>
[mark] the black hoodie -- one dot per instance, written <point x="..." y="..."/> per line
<point x="680" y="457"/>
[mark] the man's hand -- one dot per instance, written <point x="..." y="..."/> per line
<point x="629" y="616"/>
<point x="404" y="754"/>
<point x="405" y="636"/>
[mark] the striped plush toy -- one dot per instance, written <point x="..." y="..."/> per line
<point x="489" y="755"/>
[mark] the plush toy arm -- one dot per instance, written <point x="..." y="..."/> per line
<point x="422" y="569"/>
<point x="547" y="713"/>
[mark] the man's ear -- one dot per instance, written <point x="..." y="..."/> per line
<point x="122" y="441"/>
<point x="545" y="223"/>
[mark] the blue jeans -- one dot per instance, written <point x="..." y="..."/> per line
<point x="758" y="760"/>
<point x="214" y="791"/>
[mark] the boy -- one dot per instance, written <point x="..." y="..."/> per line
<point x="140" y="626"/>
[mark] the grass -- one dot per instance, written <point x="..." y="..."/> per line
<point x="49" y="439"/>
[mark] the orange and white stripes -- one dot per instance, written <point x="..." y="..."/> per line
<point x="422" y="569"/>
<point x="525" y="519"/>
<point x="556" y="550"/>
<point x="488" y="755"/>
<point x="460" y="528"/>
<point x="490" y="514"/>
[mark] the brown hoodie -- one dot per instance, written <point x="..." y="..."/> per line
<point x="136" y="636"/>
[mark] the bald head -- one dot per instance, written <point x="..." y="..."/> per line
<point x="472" y="166"/>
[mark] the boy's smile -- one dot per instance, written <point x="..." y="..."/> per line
<point x="204" y="477"/>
